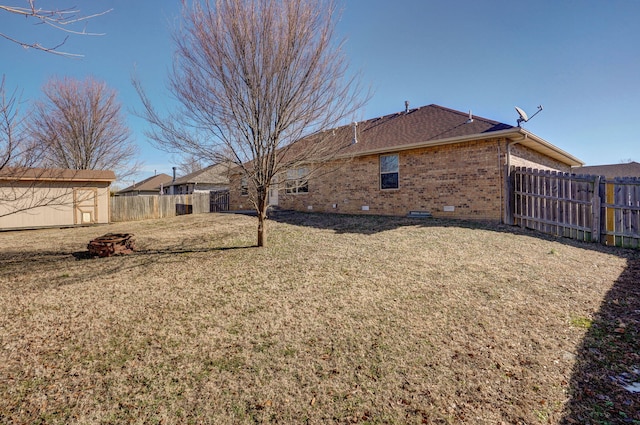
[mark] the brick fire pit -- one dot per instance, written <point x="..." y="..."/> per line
<point x="112" y="244"/>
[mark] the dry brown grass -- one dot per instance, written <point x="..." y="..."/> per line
<point x="339" y="320"/>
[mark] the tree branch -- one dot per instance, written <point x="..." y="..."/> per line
<point x="253" y="79"/>
<point x="58" y="19"/>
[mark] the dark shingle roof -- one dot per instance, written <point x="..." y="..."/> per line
<point x="419" y="125"/>
<point x="430" y="125"/>
<point x="149" y="184"/>
<point x="629" y="169"/>
<point x="213" y="174"/>
<point x="434" y="125"/>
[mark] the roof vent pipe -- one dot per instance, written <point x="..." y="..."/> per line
<point x="470" y="120"/>
<point x="406" y="106"/>
<point x="174" y="174"/>
<point x="355" y="133"/>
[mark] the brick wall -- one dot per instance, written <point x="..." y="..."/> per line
<point x="521" y="156"/>
<point x="236" y="200"/>
<point x="465" y="176"/>
<point x="462" y="181"/>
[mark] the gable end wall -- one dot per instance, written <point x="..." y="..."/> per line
<point x="521" y="156"/>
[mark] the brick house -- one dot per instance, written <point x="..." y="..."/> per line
<point x="154" y="185"/>
<point x="212" y="178"/>
<point x="428" y="160"/>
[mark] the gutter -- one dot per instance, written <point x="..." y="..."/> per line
<point x="52" y="179"/>
<point x="573" y="161"/>
<point x="429" y="143"/>
<point x="517" y="135"/>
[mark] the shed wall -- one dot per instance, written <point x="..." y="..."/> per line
<point x="53" y="204"/>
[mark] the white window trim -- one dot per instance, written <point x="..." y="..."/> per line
<point x="297" y="178"/>
<point x="397" y="171"/>
<point x="244" y="187"/>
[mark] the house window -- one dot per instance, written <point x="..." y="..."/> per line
<point x="389" y="175"/>
<point x="297" y="181"/>
<point x="244" y="187"/>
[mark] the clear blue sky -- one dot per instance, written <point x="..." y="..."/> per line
<point x="580" y="59"/>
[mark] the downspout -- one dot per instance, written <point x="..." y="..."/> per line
<point x="502" y="212"/>
<point x="173" y="187"/>
<point x="506" y="214"/>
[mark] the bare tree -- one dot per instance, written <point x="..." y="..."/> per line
<point x="66" y="20"/>
<point x="190" y="164"/>
<point x="10" y="138"/>
<point x="253" y="78"/>
<point x="16" y="162"/>
<point x="14" y="149"/>
<point x="80" y="125"/>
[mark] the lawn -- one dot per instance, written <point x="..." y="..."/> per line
<point x="340" y="319"/>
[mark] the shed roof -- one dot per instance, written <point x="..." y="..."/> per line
<point x="56" y="174"/>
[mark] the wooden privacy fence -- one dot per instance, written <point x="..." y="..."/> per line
<point x="132" y="208"/>
<point x="621" y="212"/>
<point x="219" y="201"/>
<point x="583" y="207"/>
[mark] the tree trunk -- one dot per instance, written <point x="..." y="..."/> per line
<point x="262" y="231"/>
<point x="262" y="216"/>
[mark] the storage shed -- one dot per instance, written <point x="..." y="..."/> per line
<point x="45" y="197"/>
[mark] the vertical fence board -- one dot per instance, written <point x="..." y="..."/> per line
<point x="635" y="226"/>
<point x="595" y="211"/>
<point x="219" y="201"/>
<point x="134" y="208"/>
<point x="553" y="202"/>
<point x="583" y="207"/>
<point x="618" y="212"/>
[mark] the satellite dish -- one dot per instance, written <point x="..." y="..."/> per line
<point x="523" y="115"/>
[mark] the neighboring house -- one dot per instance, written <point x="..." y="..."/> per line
<point x="38" y="197"/>
<point x="215" y="177"/>
<point x="427" y="160"/>
<point x="155" y="185"/>
<point x="610" y="171"/>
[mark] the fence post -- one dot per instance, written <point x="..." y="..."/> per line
<point x="595" y="210"/>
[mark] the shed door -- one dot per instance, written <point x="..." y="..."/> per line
<point x="85" y="205"/>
